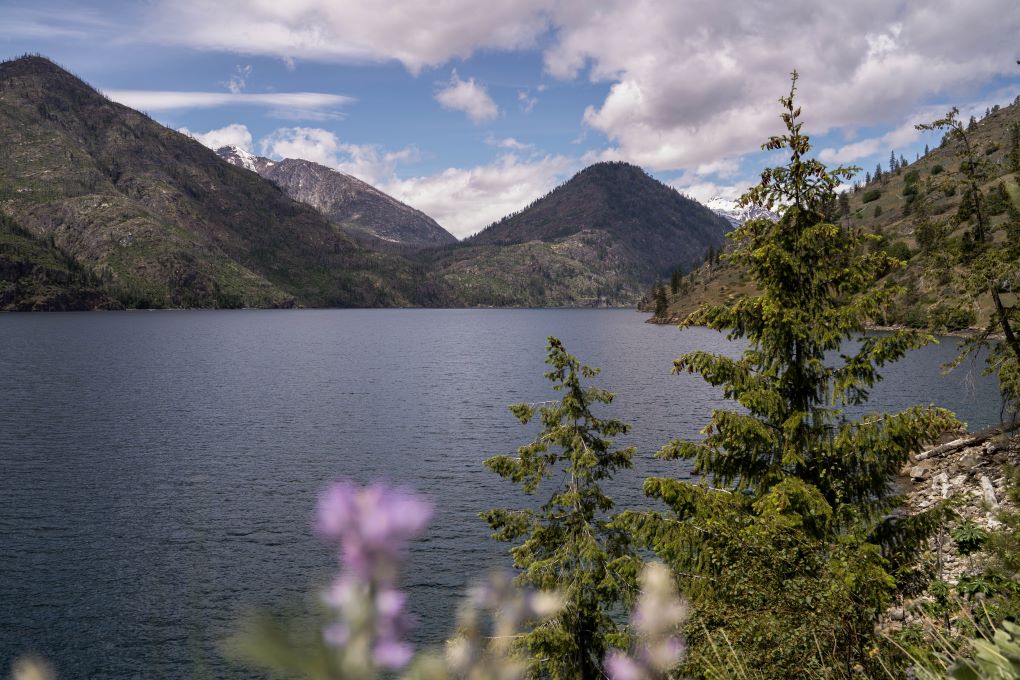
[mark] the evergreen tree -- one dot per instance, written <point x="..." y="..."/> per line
<point x="661" y="301"/>
<point x="878" y="172"/>
<point x="674" y="281"/>
<point x="972" y="125"/>
<point x="568" y="544"/>
<point x="990" y="269"/>
<point x="926" y="150"/>
<point x="1014" y="148"/>
<point x="893" y="163"/>
<point x="903" y="162"/>
<point x="787" y="544"/>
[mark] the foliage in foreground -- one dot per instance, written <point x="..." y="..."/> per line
<point x="568" y="544"/>
<point x="788" y="546"/>
<point x="362" y="638"/>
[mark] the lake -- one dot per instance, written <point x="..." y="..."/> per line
<point x="159" y="469"/>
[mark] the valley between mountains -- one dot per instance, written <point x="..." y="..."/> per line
<point x="103" y="208"/>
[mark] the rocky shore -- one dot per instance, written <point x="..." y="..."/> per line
<point x="970" y="471"/>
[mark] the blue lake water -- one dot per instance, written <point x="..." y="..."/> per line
<point x="158" y="470"/>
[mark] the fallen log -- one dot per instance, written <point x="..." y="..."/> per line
<point x="970" y="440"/>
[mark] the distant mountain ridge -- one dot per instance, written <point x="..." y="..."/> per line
<point x="162" y="219"/>
<point x="109" y="208"/>
<point x="344" y="199"/>
<point x="599" y="239"/>
<point x="661" y="228"/>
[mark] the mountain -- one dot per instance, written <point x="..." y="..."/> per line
<point x="113" y="209"/>
<point x="735" y="214"/>
<point x="346" y="201"/>
<point x="163" y="220"/>
<point x="599" y="239"/>
<point x="652" y="226"/>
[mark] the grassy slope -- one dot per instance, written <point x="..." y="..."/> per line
<point x="932" y="287"/>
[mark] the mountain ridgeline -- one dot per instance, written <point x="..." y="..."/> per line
<point x="346" y="201"/>
<point x="658" y="226"/>
<point x="599" y="239"/>
<point x="105" y="207"/>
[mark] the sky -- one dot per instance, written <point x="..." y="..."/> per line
<point x="470" y="110"/>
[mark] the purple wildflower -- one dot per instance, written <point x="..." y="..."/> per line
<point x="656" y="619"/>
<point x="371" y="527"/>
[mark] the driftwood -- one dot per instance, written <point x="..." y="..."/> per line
<point x="970" y="440"/>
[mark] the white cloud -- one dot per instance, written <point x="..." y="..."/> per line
<point x="702" y="81"/>
<point x="906" y="133"/>
<point x="465" y="200"/>
<point x="66" y="23"/>
<point x="690" y="80"/>
<point x="467" y="96"/>
<point x="239" y="80"/>
<point x="294" y="105"/>
<point x="234" y="134"/>
<point x="417" y="34"/>
<point x="704" y="191"/>
<point x="367" y="162"/>
<point x="526" y="101"/>
<point x="508" y="143"/>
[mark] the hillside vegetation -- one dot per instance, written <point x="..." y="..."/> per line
<point x="162" y="218"/>
<point x="921" y="215"/>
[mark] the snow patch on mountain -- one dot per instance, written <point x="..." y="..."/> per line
<point x="238" y="156"/>
<point x="735" y="214"/>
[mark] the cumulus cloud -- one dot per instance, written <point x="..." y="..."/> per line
<point x="415" y="33"/>
<point x="467" y="96"/>
<point x="367" y="162"/>
<point x="701" y="82"/>
<point x="234" y="134"/>
<point x="690" y="80"/>
<point x="465" y="200"/>
<point x="905" y="133"/>
<point x="294" y="105"/>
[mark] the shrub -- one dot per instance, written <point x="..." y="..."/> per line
<point x="937" y="169"/>
<point x="899" y="250"/>
<point x="944" y="317"/>
<point x="871" y="195"/>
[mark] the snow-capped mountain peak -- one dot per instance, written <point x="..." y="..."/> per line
<point x="238" y="156"/>
<point x="735" y="214"/>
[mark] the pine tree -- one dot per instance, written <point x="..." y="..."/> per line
<point x="991" y="270"/>
<point x="568" y="544"/>
<point x="926" y="150"/>
<point x="1014" y="148"/>
<point x="786" y="544"/>
<point x="972" y="125"/>
<point x="661" y="300"/>
<point x="893" y="163"/>
<point x="903" y="162"/>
